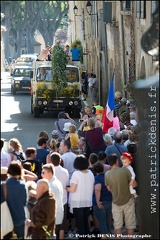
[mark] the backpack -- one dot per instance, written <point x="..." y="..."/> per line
<point x="19" y="156"/>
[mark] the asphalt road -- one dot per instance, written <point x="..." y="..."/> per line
<point x="17" y="120"/>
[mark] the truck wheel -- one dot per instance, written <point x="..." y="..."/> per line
<point x="13" y="91"/>
<point x="31" y="105"/>
<point x="36" y="112"/>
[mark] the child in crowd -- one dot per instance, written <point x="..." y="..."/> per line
<point x="73" y="137"/>
<point x="127" y="159"/>
<point x="93" y="158"/>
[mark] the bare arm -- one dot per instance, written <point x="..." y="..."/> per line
<point x="98" y="195"/>
<point x="133" y="183"/>
<point x="29" y="176"/>
<point x="72" y="120"/>
<point x="72" y="188"/>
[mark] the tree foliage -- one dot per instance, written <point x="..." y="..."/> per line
<point x="59" y="61"/>
<point x="23" y="18"/>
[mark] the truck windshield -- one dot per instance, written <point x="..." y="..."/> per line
<point x="22" y="72"/>
<point x="45" y="74"/>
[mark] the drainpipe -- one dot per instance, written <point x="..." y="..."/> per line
<point x="123" y="46"/>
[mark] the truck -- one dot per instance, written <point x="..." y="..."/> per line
<point x="43" y="93"/>
<point x="20" y="77"/>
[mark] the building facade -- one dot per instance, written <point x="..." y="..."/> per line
<point x="3" y="29"/>
<point x="111" y="32"/>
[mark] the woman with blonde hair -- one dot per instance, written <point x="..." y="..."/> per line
<point x="53" y="148"/>
<point x="16" y="150"/>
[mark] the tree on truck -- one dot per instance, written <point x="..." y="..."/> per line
<point x="58" y="89"/>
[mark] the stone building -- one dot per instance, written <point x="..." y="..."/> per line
<point x="111" y="32"/>
<point x="3" y="29"/>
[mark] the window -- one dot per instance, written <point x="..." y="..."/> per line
<point x="154" y="5"/>
<point x="141" y="9"/>
<point x="128" y="5"/>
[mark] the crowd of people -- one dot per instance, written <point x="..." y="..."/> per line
<point x="75" y="177"/>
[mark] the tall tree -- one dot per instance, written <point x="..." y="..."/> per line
<point x="23" y="18"/>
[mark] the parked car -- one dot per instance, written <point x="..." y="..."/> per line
<point x="20" y="78"/>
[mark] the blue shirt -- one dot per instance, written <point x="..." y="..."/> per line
<point x="117" y="148"/>
<point x="16" y="199"/>
<point x="42" y="154"/>
<point x="75" y="54"/>
<point x="105" y="195"/>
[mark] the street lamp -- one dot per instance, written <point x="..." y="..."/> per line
<point x="75" y="9"/>
<point x="89" y="9"/>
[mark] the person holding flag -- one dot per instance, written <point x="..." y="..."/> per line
<point x="108" y="115"/>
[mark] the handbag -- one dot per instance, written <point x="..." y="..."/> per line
<point x="6" y="218"/>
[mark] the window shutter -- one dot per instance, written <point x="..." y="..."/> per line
<point x="107" y="12"/>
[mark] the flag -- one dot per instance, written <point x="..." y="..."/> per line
<point x="111" y="101"/>
<point x="108" y="114"/>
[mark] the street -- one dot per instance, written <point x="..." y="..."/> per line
<point x="17" y="120"/>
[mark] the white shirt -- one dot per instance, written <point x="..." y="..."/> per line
<point x="130" y="168"/>
<point x="57" y="190"/>
<point x="68" y="160"/>
<point x="5" y="159"/>
<point x="90" y="80"/>
<point x="133" y="121"/>
<point x="82" y="197"/>
<point x="63" y="176"/>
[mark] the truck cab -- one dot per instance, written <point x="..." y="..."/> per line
<point x="44" y="96"/>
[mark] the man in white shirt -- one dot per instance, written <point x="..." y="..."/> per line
<point x="48" y="172"/>
<point x="90" y="83"/>
<point x="5" y="157"/>
<point x="67" y="156"/>
<point x="63" y="176"/>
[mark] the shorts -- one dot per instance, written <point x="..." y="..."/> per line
<point x="124" y="214"/>
<point x="64" y="222"/>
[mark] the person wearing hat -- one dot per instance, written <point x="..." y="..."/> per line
<point x="55" y="135"/>
<point x="127" y="160"/>
<point x="75" y="53"/>
<point x="124" y="107"/>
<point x="59" y="124"/>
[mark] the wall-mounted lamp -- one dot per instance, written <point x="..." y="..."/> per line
<point x="75" y="9"/>
<point x="89" y="8"/>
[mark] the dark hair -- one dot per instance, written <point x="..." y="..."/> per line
<point x="112" y="159"/>
<point x="55" y="158"/>
<point x="101" y="155"/>
<point x="29" y="151"/>
<point x="132" y="148"/>
<point x="118" y="137"/>
<point x="67" y="143"/>
<point x="93" y="158"/>
<point x="98" y="168"/>
<point x="15" y="168"/>
<point x="2" y="144"/>
<point x="41" y="141"/>
<point x="81" y="162"/>
<point x="43" y="134"/>
<point x="27" y="166"/>
<point x="61" y="115"/>
<point x="125" y="136"/>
